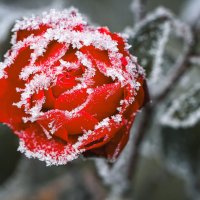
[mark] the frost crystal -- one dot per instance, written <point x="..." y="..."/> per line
<point x="159" y="51"/>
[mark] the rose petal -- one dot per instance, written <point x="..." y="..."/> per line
<point x="120" y="41"/>
<point x="117" y="144"/>
<point x="64" y="82"/>
<point x="96" y="54"/>
<point x="80" y="122"/>
<point x="53" y="124"/>
<point x="69" y="101"/>
<point x="138" y="103"/>
<point x="49" y="101"/>
<point x="22" y="34"/>
<point x="112" y="149"/>
<point x="70" y="55"/>
<point x="100" y="79"/>
<point x="9" y="113"/>
<point x="37" y="97"/>
<point x="100" y="136"/>
<point x="52" y="51"/>
<point x="3" y="94"/>
<point x="104" y="100"/>
<point x="21" y="60"/>
<point x="35" y="144"/>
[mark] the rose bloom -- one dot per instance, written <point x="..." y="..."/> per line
<point x="69" y="88"/>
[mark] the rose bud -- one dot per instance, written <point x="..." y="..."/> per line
<point x="69" y="88"/>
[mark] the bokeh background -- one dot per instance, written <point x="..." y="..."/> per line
<point x="170" y="158"/>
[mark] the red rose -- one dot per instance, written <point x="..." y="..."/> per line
<point x="69" y="88"/>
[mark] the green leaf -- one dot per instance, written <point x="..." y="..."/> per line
<point x="184" y="111"/>
<point x="148" y="40"/>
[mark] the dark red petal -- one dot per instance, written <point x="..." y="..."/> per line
<point x="117" y="144"/>
<point x="50" y="99"/>
<point x="69" y="101"/>
<point x="100" y="136"/>
<point x="96" y="54"/>
<point x="113" y="148"/>
<point x="53" y="124"/>
<point x="104" y="100"/>
<point x="120" y="43"/>
<point x="37" y="97"/>
<point x="70" y="55"/>
<point x="80" y="122"/>
<point x="9" y="113"/>
<point x="79" y="28"/>
<point x="104" y="30"/>
<point x="22" y="59"/>
<point x="140" y="100"/>
<point x="100" y="79"/>
<point x="128" y="111"/>
<point x="53" y="50"/>
<point x="76" y="72"/>
<point x="116" y="37"/>
<point x="64" y="82"/>
<point x="35" y="144"/>
<point x="62" y="133"/>
<point x="22" y="34"/>
<point x="3" y="94"/>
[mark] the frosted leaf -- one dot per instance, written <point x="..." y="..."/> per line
<point x="184" y="111"/>
<point x="182" y="30"/>
<point x="177" y="49"/>
<point x="158" y="54"/>
<point x="160" y="41"/>
<point x="148" y="39"/>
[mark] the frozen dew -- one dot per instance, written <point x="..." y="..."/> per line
<point x="117" y="118"/>
<point x="66" y="155"/>
<point x="158" y="13"/>
<point x="104" y="123"/>
<point x="158" y="53"/>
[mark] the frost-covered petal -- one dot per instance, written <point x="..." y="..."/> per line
<point x="71" y="100"/>
<point x="113" y="147"/>
<point x="34" y="144"/>
<point x="104" y="100"/>
<point x="80" y="122"/>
